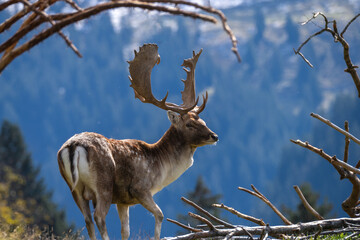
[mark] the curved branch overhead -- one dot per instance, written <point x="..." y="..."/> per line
<point x="35" y="28"/>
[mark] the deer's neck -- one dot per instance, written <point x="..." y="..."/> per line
<point x="174" y="155"/>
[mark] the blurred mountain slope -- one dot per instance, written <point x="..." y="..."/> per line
<point x="254" y="107"/>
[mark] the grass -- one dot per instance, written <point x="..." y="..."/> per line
<point x="31" y="233"/>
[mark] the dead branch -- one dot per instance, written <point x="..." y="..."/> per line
<point x="204" y="220"/>
<point x="241" y="215"/>
<point x="44" y="15"/>
<point x="215" y="11"/>
<point x="73" y="5"/>
<point x="350" y="204"/>
<point x="191" y="229"/>
<point x="7" y="4"/>
<point x="348" y="24"/>
<point x="347" y="143"/>
<point x="338" y="37"/>
<point x="307" y="205"/>
<point x="327" y="122"/>
<point x="259" y="195"/>
<point x="209" y="215"/>
<point x="59" y="21"/>
<point x="342" y="224"/>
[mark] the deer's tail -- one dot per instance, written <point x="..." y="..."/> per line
<point x="69" y="159"/>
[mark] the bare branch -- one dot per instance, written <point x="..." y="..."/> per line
<point x="348" y="24"/>
<point x="327" y="122"/>
<point x="347" y="171"/>
<point x="44" y="15"/>
<point x="209" y="9"/>
<point x="59" y="21"/>
<point x="13" y="19"/>
<point x="347" y="142"/>
<point x="191" y="229"/>
<point x="358" y="164"/>
<point x="7" y="4"/>
<point x="342" y="224"/>
<point x="332" y="160"/>
<point x="241" y="215"/>
<point x="86" y="13"/>
<point x="209" y="215"/>
<point x="351" y="69"/>
<point x="307" y="205"/>
<point x="310" y="19"/>
<point x="305" y="42"/>
<point x="204" y="220"/>
<point x="303" y="57"/>
<point x="259" y="195"/>
<point x="73" y="5"/>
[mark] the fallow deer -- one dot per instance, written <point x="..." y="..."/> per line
<point x="128" y="172"/>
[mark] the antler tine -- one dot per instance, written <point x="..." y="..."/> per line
<point x="198" y="110"/>
<point x="189" y="93"/>
<point x="140" y="77"/>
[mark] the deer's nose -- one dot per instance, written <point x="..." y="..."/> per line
<point x="214" y="137"/>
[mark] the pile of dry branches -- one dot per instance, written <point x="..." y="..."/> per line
<point x="39" y="23"/>
<point x="289" y="230"/>
<point x="308" y="230"/>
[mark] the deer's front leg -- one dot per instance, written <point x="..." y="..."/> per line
<point x="123" y="211"/>
<point x="146" y="199"/>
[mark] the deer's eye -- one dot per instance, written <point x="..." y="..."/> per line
<point x="189" y="125"/>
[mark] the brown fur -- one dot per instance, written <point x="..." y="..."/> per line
<point x="128" y="172"/>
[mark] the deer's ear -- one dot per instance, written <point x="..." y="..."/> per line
<point x="173" y="117"/>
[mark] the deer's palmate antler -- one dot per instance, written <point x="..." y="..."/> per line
<point x="127" y="172"/>
<point x="140" y="76"/>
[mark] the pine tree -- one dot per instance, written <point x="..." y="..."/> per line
<point x="24" y="199"/>
<point x="203" y="197"/>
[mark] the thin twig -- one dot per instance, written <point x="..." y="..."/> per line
<point x="318" y="232"/>
<point x="241" y="215"/>
<point x="184" y="226"/>
<point x="73" y="5"/>
<point x="63" y="20"/>
<point x="327" y="122"/>
<point x="204" y="220"/>
<point x="61" y="34"/>
<point x="307" y="205"/>
<point x="209" y="9"/>
<point x="7" y="4"/>
<point x="247" y="232"/>
<point x="347" y="142"/>
<point x="332" y="160"/>
<point x="351" y="68"/>
<point x="200" y="209"/>
<point x="358" y="164"/>
<point x="348" y="24"/>
<point x="347" y="171"/>
<point x="303" y="57"/>
<point x="230" y="235"/>
<point x="259" y="195"/>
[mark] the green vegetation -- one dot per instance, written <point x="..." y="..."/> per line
<point x="26" y="206"/>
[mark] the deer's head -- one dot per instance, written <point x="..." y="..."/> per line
<point x="185" y="117"/>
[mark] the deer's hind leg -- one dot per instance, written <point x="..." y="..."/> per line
<point x="83" y="204"/>
<point x="123" y="211"/>
<point x="102" y="203"/>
